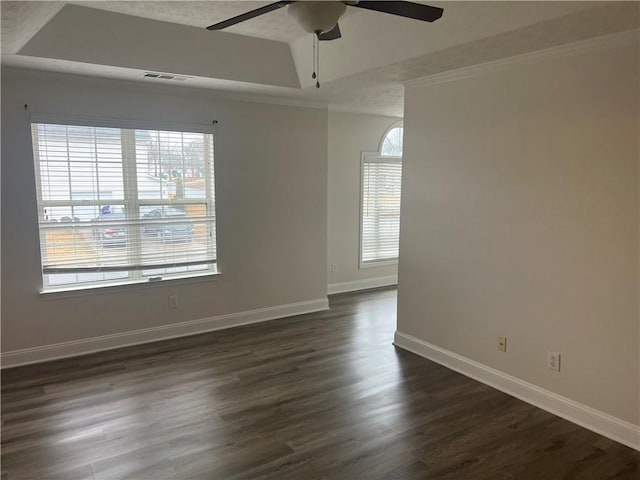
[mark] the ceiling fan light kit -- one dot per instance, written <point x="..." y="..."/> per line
<point x="317" y="17"/>
<point x="321" y="18"/>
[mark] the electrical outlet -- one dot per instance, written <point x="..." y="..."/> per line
<point x="334" y="267"/>
<point x="173" y="301"/>
<point x="502" y="344"/>
<point x="553" y="361"/>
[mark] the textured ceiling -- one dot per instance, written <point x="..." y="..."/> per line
<point x="363" y="70"/>
<point x="22" y="19"/>
<point x="277" y="25"/>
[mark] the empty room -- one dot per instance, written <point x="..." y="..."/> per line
<point x="320" y="240"/>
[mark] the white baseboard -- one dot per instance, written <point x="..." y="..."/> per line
<point x="163" y="332"/>
<point x="614" y="428"/>
<point x="344" y="287"/>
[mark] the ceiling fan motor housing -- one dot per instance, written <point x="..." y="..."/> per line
<point x="317" y="17"/>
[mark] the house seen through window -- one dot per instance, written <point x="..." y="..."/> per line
<point x="380" y="201"/>
<point x="119" y="205"/>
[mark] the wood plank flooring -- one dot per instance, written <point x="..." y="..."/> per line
<point x="319" y="396"/>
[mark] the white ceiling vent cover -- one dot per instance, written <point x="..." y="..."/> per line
<point x="165" y="76"/>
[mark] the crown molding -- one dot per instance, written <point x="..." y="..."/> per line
<point x="605" y="42"/>
<point x="361" y="111"/>
<point x="19" y="72"/>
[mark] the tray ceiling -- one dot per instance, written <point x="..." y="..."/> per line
<point x="363" y="71"/>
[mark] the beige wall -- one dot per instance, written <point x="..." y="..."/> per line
<point x="350" y="134"/>
<point x="271" y="203"/>
<point x="520" y="216"/>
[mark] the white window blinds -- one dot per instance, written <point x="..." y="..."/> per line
<point x="122" y="205"/>
<point x="380" y="228"/>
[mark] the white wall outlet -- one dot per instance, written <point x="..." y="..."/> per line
<point x="502" y="344"/>
<point x="553" y="361"/>
<point x="173" y="301"/>
<point x="334" y="267"/>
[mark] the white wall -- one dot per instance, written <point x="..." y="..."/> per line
<point x="350" y="134"/>
<point x="520" y="216"/>
<point x="271" y="202"/>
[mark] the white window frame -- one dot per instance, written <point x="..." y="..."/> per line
<point x="367" y="157"/>
<point x="130" y="200"/>
<point x="393" y="126"/>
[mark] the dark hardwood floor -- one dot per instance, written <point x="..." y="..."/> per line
<point x="319" y="396"/>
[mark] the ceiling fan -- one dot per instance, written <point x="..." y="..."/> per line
<point x="321" y="17"/>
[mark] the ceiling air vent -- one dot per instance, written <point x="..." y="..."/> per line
<point x="165" y="76"/>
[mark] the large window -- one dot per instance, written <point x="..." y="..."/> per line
<point x="380" y="201"/>
<point x="123" y="205"/>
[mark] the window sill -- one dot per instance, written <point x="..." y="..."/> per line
<point x="116" y="287"/>
<point x="379" y="263"/>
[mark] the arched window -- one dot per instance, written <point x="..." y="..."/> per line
<point x="391" y="145"/>
<point x="380" y="201"/>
